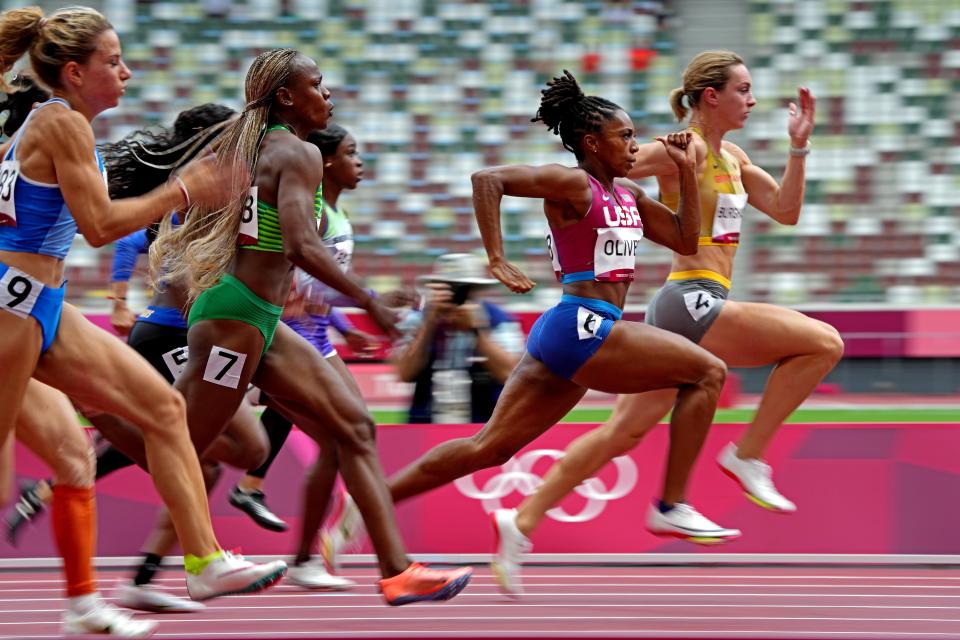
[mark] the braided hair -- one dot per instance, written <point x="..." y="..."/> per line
<point x="20" y="100"/>
<point x="568" y="112"/>
<point x="144" y="159"/>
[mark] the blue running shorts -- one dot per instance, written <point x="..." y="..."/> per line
<point x="565" y="336"/>
<point x="23" y="295"/>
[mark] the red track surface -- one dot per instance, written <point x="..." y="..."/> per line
<point x="646" y="602"/>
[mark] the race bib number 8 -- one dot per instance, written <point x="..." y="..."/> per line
<point x="9" y="170"/>
<point x="224" y="367"/>
<point x="249" y="225"/>
<point x="19" y="292"/>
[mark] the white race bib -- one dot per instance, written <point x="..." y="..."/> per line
<point x="616" y="252"/>
<point x="343" y="253"/>
<point x="554" y="258"/>
<point x="19" y="292"/>
<point x="728" y="217"/>
<point x="176" y="361"/>
<point x="249" y="225"/>
<point x="588" y="323"/>
<point x="699" y="303"/>
<point x="224" y="367"/>
<point x="9" y="170"/>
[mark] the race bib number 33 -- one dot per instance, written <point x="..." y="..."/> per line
<point x="9" y="170"/>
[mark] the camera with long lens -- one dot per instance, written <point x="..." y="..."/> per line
<point x="461" y="291"/>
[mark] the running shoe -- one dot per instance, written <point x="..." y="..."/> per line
<point x="254" y="504"/>
<point x="314" y="575"/>
<point x="511" y="546"/>
<point x="27" y="507"/>
<point x="145" y="597"/>
<point x="418" y="584"/>
<point x="755" y="477"/>
<point x="345" y="533"/>
<point x="106" y="619"/>
<point x="684" y="521"/>
<point x="229" y="574"/>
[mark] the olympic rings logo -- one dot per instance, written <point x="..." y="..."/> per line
<point x="517" y="475"/>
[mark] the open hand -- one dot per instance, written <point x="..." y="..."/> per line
<point x="800" y="120"/>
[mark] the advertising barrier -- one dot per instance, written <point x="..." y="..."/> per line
<point x="860" y="488"/>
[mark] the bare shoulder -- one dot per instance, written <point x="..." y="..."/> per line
<point x="282" y="151"/>
<point x="736" y="152"/>
<point x="635" y="190"/>
<point x="61" y="129"/>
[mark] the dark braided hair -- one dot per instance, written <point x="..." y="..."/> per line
<point x="144" y="159"/>
<point x="328" y="139"/>
<point x="567" y="111"/>
<point x="18" y="103"/>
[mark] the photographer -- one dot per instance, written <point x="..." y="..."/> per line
<point x="459" y="349"/>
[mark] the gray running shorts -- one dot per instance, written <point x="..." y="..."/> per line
<point x="687" y="307"/>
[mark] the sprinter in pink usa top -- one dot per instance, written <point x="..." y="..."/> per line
<point x="582" y="343"/>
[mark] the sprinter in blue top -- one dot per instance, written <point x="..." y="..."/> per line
<point x="53" y="186"/>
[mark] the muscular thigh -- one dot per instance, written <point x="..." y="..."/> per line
<point x="302" y="382"/>
<point x="222" y="358"/>
<point x="533" y="400"/>
<point x="98" y="370"/>
<point x="637" y="357"/>
<point x="750" y="334"/>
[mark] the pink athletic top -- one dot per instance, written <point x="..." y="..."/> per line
<point x="602" y="245"/>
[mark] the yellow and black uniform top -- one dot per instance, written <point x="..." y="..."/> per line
<point x="260" y="222"/>
<point x="722" y="199"/>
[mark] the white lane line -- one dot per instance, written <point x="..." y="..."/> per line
<point x="418" y="619"/>
<point x="651" y="585"/>
<point x="621" y="594"/>
<point x="546" y="633"/>
<point x="511" y="604"/>
<point x="577" y="576"/>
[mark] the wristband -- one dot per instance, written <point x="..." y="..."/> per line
<point x="799" y="152"/>
<point x="183" y="191"/>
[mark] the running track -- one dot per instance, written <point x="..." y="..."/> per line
<point x="794" y="601"/>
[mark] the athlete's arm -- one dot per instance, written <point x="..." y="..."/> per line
<point x="652" y="160"/>
<point x="125" y="253"/>
<point x="301" y="173"/>
<point x="552" y="182"/>
<point x="69" y="143"/>
<point x="782" y="202"/>
<point x="679" y="231"/>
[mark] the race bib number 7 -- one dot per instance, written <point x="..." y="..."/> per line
<point x="224" y="367"/>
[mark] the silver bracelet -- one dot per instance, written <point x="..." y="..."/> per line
<point x="800" y="151"/>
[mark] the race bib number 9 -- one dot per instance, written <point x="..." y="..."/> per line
<point x="19" y="292"/>
<point x="9" y="170"/>
<point x="249" y="225"/>
<point x="728" y="217"/>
